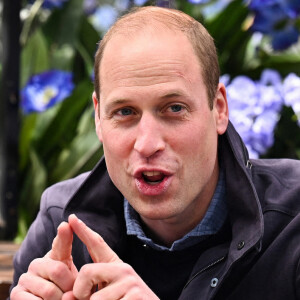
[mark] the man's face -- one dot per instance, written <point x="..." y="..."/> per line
<point x="159" y="135"/>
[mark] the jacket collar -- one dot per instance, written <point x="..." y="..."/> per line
<point x="243" y="204"/>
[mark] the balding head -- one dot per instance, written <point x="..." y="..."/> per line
<point x="155" y="19"/>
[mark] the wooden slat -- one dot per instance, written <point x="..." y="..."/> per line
<point x="7" y="251"/>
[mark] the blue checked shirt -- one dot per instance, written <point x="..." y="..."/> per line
<point x="209" y="225"/>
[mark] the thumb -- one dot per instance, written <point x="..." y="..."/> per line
<point x="62" y="245"/>
<point x="97" y="247"/>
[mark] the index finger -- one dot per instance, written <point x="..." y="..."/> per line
<point x="97" y="247"/>
<point x="62" y="245"/>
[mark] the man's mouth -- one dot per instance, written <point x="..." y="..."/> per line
<point x="153" y="177"/>
<point x="152" y="182"/>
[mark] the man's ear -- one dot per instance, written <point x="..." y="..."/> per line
<point x="221" y="109"/>
<point x="97" y="116"/>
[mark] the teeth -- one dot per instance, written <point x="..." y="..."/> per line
<point x="151" y="173"/>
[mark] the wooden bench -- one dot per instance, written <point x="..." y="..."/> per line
<point x="7" y="251"/>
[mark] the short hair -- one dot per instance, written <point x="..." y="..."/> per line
<point x="144" y="17"/>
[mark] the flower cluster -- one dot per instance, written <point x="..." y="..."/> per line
<point x="278" y="19"/>
<point x="103" y="16"/>
<point x="198" y="1"/>
<point x="255" y="106"/>
<point x="50" y="4"/>
<point x="291" y="93"/>
<point x="45" y="90"/>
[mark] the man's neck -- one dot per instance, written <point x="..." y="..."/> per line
<point x="167" y="231"/>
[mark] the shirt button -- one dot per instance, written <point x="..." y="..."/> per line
<point x="214" y="282"/>
<point x="240" y="245"/>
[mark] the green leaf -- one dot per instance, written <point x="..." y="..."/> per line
<point x="83" y="147"/>
<point x="63" y="24"/>
<point x="88" y="37"/>
<point x="34" y="182"/>
<point x="86" y="122"/>
<point x="62" y="57"/>
<point x="26" y="134"/>
<point x="44" y="119"/>
<point x="230" y="37"/>
<point x="34" y="56"/>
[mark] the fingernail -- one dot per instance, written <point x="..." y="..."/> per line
<point x="61" y="224"/>
<point x="74" y="216"/>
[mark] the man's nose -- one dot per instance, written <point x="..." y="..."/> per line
<point x="149" y="139"/>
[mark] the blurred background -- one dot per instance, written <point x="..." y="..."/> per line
<point x="47" y="49"/>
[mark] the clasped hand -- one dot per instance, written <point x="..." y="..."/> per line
<point x="55" y="276"/>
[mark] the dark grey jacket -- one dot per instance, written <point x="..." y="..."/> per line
<point x="260" y="262"/>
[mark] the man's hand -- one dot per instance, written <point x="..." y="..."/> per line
<point x="115" y="279"/>
<point x="52" y="276"/>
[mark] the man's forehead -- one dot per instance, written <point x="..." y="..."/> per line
<point x="147" y="53"/>
<point x="143" y="40"/>
<point x="129" y="35"/>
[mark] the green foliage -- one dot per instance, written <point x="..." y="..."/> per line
<point x="60" y="142"/>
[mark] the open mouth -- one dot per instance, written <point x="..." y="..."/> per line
<point x="153" y="177"/>
<point x="152" y="182"/>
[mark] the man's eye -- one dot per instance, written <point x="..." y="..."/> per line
<point x="176" y="108"/>
<point x="125" y="112"/>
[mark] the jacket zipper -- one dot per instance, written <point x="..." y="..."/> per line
<point x="204" y="269"/>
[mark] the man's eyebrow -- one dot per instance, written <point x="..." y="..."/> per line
<point x="172" y="95"/>
<point x="115" y="103"/>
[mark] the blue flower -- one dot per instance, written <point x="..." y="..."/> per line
<point x="139" y="2"/>
<point x="164" y="3"/>
<point x="123" y="5"/>
<point x="277" y="18"/>
<point x="104" y="17"/>
<point x="213" y="8"/>
<point x="49" y="4"/>
<point x="90" y="6"/>
<point x="291" y="93"/>
<point x="291" y="8"/>
<point x="254" y="108"/>
<point x="198" y="1"/>
<point x="225" y="79"/>
<point x="45" y="90"/>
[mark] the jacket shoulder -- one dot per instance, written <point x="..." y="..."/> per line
<point x="277" y="183"/>
<point x="286" y="169"/>
<point x="60" y="193"/>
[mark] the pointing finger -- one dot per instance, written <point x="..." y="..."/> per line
<point x="97" y="247"/>
<point x="62" y="245"/>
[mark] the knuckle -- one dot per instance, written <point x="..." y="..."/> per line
<point x="132" y="279"/>
<point x="132" y="283"/>
<point x="85" y="270"/>
<point x="15" y="292"/>
<point x="58" y="270"/>
<point x="35" y="264"/>
<point x="126" y="269"/>
<point x="135" y="293"/>
<point x="50" y="292"/>
<point x="24" y="278"/>
<point x="96" y="240"/>
<point x="99" y="238"/>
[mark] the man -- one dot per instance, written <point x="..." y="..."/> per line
<point x="175" y="210"/>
